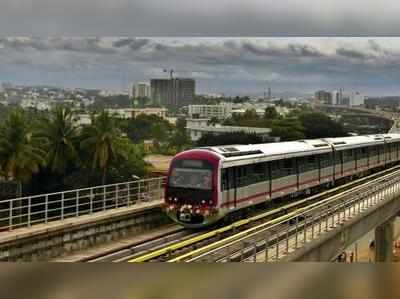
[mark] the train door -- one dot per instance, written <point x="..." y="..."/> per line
<point x="230" y="190"/>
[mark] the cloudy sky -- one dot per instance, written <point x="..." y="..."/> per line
<point x="239" y="63"/>
<point x="219" y="65"/>
<point x="199" y="17"/>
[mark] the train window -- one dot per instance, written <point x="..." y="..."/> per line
<point x="224" y="179"/>
<point x="312" y="162"/>
<point x="325" y="160"/>
<point x="338" y="157"/>
<point x="362" y="153"/>
<point x="275" y="170"/>
<point x="261" y="172"/>
<point x="192" y="174"/>
<point x="241" y="176"/>
<point x="373" y="151"/>
<point x="348" y="156"/>
<point x="278" y="169"/>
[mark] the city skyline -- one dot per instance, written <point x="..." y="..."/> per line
<point x="219" y="65"/>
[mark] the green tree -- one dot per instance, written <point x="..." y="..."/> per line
<point x="271" y="113"/>
<point x="318" y="125"/>
<point x="61" y="135"/>
<point x="21" y="152"/>
<point x="288" y="129"/>
<point x="210" y="139"/>
<point x="102" y="141"/>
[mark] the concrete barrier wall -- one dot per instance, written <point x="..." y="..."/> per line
<point x="41" y="243"/>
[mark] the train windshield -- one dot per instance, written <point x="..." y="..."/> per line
<point x="194" y="174"/>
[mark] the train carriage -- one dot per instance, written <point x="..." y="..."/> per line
<point x="207" y="184"/>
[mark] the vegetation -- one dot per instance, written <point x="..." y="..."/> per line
<point x="21" y="150"/>
<point x="210" y="139"/>
<point x="102" y="140"/>
<point x="165" y="137"/>
<point x="299" y="124"/>
<point x="48" y="153"/>
<point x="117" y="101"/>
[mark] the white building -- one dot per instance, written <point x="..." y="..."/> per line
<point x="221" y="112"/>
<point x="335" y="96"/>
<point x="356" y="99"/>
<point x="197" y="131"/>
<point x="142" y="90"/>
<point x="133" y="112"/>
<point x="35" y="104"/>
<point x="83" y="120"/>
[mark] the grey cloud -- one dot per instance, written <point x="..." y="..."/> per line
<point x="91" y="45"/>
<point x="198" y="18"/>
<point x="350" y="53"/>
<point x="133" y="43"/>
<point x="292" y="50"/>
<point x="299" y="62"/>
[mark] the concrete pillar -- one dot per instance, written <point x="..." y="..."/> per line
<point x="384" y="242"/>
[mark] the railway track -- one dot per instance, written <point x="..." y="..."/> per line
<point x="238" y="247"/>
<point x="181" y="247"/>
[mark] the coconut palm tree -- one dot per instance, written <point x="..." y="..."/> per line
<point x="21" y="150"/>
<point x="61" y="134"/>
<point x="102" y="140"/>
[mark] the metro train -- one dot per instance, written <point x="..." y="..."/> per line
<point x="207" y="184"/>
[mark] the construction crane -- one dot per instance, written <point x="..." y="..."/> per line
<point x="171" y="72"/>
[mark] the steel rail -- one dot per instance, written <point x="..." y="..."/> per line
<point x="277" y="221"/>
<point x="167" y="251"/>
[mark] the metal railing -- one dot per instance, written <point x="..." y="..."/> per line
<point x="291" y="232"/>
<point x="43" y="208"/>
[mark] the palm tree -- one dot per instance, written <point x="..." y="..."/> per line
<point x="61" y="135"/>
<point x="21" y="152"/>
<point x="102" y="140"/>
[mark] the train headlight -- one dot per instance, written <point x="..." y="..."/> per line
<point x="175" y="199"/>
<point x="206" y="212"/>
<point x="203" y="201"/>
<point x="197" y="211"/>
<point x="189" y="206"/>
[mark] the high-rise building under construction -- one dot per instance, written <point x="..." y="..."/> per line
<point x="174" y="92"/>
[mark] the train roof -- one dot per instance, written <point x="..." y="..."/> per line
<point x="271" y="151"/>
<point x="253" y="153"/>
<point x="342" y="143"/>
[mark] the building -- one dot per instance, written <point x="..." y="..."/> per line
<point x="173" y="92"/>
<point x="323" y="97"/>
<point x="160" y="112"/>
<point x="220" y="112"/>
<point x="133" y="112"/>
<point x="335" y="96"/>
<point x="142" y="90"/>
<point x="132" y="90"/>
<point x="356" y="99"/>
<point x="161" y="90"/>
<point x="196" y="132"/>
<point x="83" y="119"/>
<point x="197" y="122"/>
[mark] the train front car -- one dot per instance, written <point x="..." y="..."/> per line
<point x="191" y="192"/>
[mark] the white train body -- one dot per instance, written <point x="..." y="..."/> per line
<point x="206" y="184"/>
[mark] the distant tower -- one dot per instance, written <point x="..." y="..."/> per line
<point x="340" y="96"/>
<point x="269" y="93"/>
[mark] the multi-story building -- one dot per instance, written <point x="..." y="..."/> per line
<point x="323" y="97"/>
<point x="197" y="131"/>
<point x="356" y="99"/>
<point x="161" y="90"/>
<point x="142" y="90"/>
<point x="220" y="112"/>
<point x="173" y="92"/>
<point x="335" y="96"/>
<point x="133" y="112"/>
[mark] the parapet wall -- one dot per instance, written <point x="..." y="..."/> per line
<point x="47" y="241"/>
